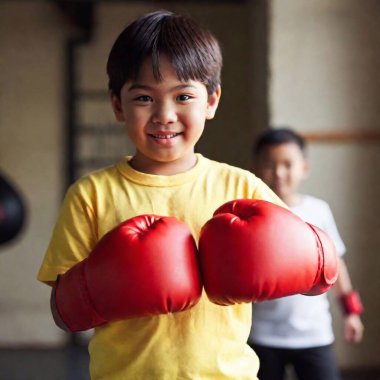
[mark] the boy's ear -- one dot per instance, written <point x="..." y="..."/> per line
<point x="213" y="102"/>
<point x="116" y="106"/>
<point x="306" y="169"/>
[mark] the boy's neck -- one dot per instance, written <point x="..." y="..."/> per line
<point x="163" y="168"/>
<point x="292" y="200"/>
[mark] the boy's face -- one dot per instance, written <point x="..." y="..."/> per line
<point x="164" y="119"/>
<point x="283" y="167"/>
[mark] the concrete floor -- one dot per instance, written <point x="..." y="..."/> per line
<point x="51" y="364"/>
<point x="364" y="374"/>
<point x="71" y="363"/>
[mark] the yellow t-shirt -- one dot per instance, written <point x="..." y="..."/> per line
<point x="205" y="342"/>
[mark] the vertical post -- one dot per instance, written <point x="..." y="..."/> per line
<point x="70" y="143"/>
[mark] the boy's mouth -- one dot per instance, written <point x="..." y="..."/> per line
<point x="164" y="136"/>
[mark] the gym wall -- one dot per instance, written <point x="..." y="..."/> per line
<point x="312" y="65"/>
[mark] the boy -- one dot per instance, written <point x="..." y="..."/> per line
<point x="297" y="329"/>
<point x="150" y="319"/>
<point x="164" y="82"/>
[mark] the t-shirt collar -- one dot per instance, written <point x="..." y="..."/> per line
<point x="160" y="180"/>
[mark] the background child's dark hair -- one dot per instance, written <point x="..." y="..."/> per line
<point x="193" y="51"/>
<point x="277" y="136"/>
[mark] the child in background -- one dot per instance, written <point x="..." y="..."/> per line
<point x="164" y="82"/>
<point x="297" y="330"/>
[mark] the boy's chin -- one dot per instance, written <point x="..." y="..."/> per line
<point x="281" y="192"/>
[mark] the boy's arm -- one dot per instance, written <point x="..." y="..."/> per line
<point x="349" y="299"/>
<point x="145" y="266"/>
<point x="343" y="284"/>
<point x="350" y="304"/>
<point x="74" y="236"/>
<point x="53" y="307"/>
<point x="265" y="193"/>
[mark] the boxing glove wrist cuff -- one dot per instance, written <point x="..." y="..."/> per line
<point x="73" y="301"/>
<point x="351" y="303"/>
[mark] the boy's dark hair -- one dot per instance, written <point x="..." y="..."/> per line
<point x="193" y="51"/>
<point x="277" y="136"/>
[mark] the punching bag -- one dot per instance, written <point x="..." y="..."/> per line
<point x="12" y="211"/>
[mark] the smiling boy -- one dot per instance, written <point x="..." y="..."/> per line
<point x="164" y="81"/>
<point x="164" y="118"/>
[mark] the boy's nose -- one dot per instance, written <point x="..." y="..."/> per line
<point x="279" y="171"/>
<point x="164" y="113"/>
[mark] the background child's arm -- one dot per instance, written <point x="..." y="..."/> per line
<point x="350" y="304"/>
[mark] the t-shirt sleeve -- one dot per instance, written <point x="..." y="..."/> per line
<point x="264" y="192"/>
<point x="73" y="237"/>
<point x="329" y="226"/>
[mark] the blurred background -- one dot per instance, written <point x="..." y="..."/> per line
<point x="312" y="65"/>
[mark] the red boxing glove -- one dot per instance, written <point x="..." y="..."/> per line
<point x="147" y="265"/>
<point x="253" y="250"/>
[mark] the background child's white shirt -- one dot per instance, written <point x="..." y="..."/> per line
<point x="299" y="321"/>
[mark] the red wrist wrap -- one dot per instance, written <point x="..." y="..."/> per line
<point x="351" y="303"/>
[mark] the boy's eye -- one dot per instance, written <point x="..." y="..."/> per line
<point x="143" y="98"/>
<point x="183" y="97"/>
